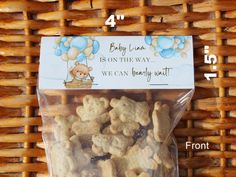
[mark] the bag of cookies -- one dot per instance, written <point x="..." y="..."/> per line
<point x="109" y="104"/>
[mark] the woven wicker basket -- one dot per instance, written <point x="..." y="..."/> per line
<point x="210" y="117"/>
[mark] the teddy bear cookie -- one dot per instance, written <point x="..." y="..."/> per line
<point x="161" y="151"/>
<point x="94" y="109"/>
<point x="132" y="173"/>
<point x="113" y="144"/>
<point x="62" y="128"/>
<point x="161" y="121"/>
<point x="62" y="133"/>
<point x="89" y="173"/>
<point x="137" y="158"/>
<point x="68" y="157"/>
<point x="127" y="115"/>
<point x="87" y="128"/>
<point x="93" y="114"/>
<point x="59" y="164"/>
<point x="77" y="157"/>
<point x="108" y="168"/>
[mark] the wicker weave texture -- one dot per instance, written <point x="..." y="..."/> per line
<point x="210" y="117"/>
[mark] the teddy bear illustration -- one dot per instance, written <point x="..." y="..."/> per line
<point x="80" y="71"/>
<point x="81" y="77"/>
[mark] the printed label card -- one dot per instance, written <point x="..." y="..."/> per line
<point x="116" y="62"/>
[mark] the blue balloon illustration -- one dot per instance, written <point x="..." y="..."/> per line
<point x="81" y="57"/>
<point x="96" y="47"/>
<point x="148" y="40"/>
<point x="79" y="43"/>
<point x="63" y="48"/>
<point x="181" y="38"/>
<point x="167" y="53"/>
<point x="181" y="45"/>
<point x="64" y="39"/>
<point x="58" y="52"/>
<point x="158" y="49"/>
<point x="165" y="42"/>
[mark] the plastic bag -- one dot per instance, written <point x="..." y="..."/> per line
<point x="111" y="132"/>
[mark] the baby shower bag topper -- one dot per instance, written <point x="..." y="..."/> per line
<point x="109" y="104"/>
<point x="112" y="62"/>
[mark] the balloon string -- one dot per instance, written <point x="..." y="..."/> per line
<point x="89" y="73"/>
<point x="67" y="65"/>
<point x="86" y="61"/>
